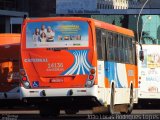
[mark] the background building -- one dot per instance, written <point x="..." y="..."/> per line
<point x="10" y="9"/>
<point x="42" y="8"/>
<point x="112" y="4"/>
<point x="106" y="6"/>
<point x="12" y="12"/>
<point x="119" y="12"/>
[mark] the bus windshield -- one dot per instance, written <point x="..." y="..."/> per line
<point x="57" y="34"/>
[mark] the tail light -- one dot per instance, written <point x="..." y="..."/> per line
<point x="92" y="71"/>
<point x="91" y="77"/>
<point x="24" y="79"/>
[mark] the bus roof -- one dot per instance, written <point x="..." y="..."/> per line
<point x="55" y="19"/>
<point x="97" y="23"/>
<point x="9" y="38"/>
<point x="114" y="28"/>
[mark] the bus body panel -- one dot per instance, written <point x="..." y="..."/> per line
<point x="64" y="70"/>
<point x="62" y="92"/>
<point x="114" y="28"/>
<point x="149" y="73"/>
<point x="55" y="71"/>
<point x="123" y="75"/>
<point x="121" y="80"/>
<point x="9" y="66"/>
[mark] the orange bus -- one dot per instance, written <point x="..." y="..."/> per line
<point x="76" y="63"/>
<point x="9" y="66"/>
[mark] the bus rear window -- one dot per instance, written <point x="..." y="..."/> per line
<point x="57" y="34"/>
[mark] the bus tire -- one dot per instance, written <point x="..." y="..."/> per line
<point x="110" y="109"/>
<point x="130" y="105"/>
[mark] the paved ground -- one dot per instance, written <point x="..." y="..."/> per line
<point x="137" y="114"/>
<point x="151" y="112"/>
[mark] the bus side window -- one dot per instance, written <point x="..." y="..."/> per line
<point x="107" y="48"/>
<point x="130" y="55"/>
<point x="115" y="41"/>
<point x="0" y="71"/>
<point x="99" y="48"/>
<point x="121" y="51"/>
<point x="104" y="47"/>
<point x="111" y="47"/>
<point x="6" y="68"/>
<point x="126" y="56"/>
<point x="134" y="51"/>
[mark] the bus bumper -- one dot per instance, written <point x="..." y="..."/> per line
<point x="12" y="94"/>
<point x="58" y="92"/>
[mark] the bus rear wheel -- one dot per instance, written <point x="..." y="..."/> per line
<point x="130" y="106"/>
<point x="110" y="109"/>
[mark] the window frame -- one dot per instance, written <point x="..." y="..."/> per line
<point x="110" y="45"/>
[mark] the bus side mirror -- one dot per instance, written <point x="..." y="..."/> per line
<point x="141" y="55"/>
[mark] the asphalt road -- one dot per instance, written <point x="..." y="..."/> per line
<point x="137" y="114"/>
